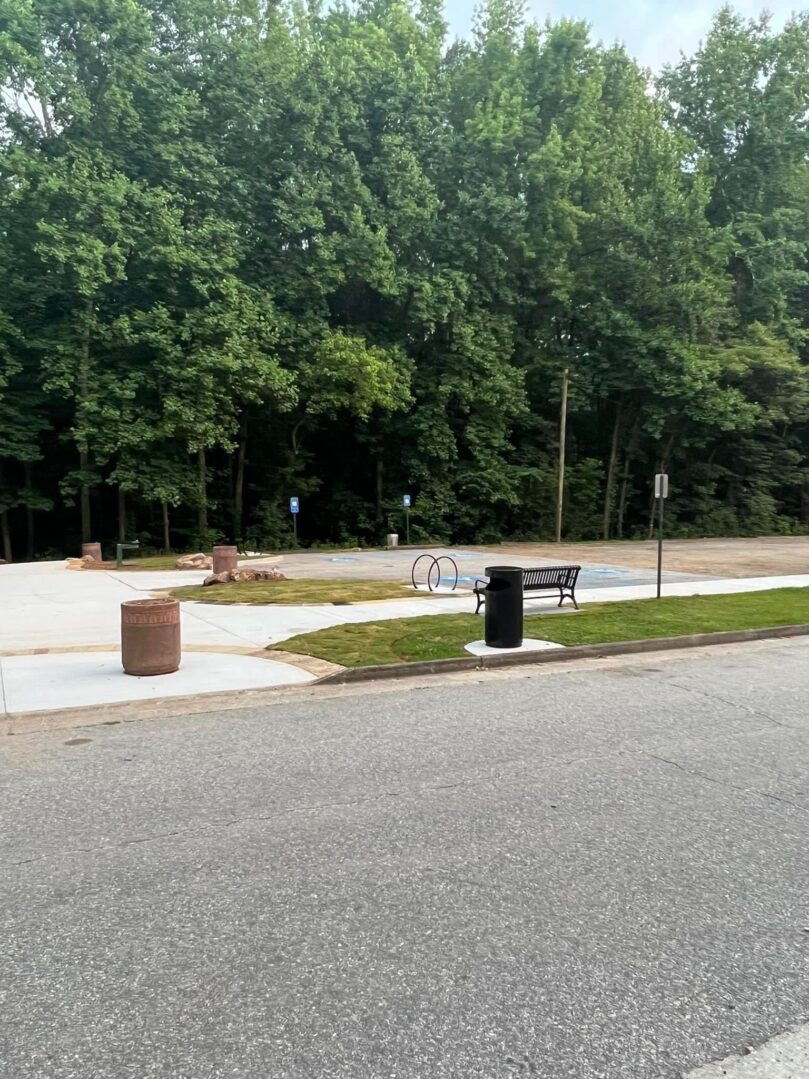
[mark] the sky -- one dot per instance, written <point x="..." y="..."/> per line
<point x="655" y="31"/>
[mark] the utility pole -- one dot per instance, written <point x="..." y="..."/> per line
<point x="661" y="494"/>
<point x="560" y="494"/>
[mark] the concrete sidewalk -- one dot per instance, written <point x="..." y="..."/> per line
<point x="83" y="679"/>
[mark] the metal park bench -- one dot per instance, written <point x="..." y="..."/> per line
<point x="561" y="578"/>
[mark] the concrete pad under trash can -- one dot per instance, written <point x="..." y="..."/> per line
<point x="480" y="648"/>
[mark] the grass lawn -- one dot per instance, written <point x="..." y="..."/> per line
<point x="301" y="591"/>
<point x="443" y="636"/>
<point x="152" y="561"/>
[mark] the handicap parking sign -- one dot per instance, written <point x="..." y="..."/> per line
<point x="294" y="505"/>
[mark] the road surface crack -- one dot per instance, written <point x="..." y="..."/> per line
<point x="219" y="825"/>
<point x="757" y="713"/>
<point x="697" y="774"/>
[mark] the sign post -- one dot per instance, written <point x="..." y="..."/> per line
<point x="661" y="494"/>
<point x="406" y="504"/>
<point x="295" y="509"/>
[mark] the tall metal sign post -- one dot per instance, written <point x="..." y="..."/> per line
<point x="661" y="494"/>
<point x="295" y="509"/>
<point x="406" y="504"/>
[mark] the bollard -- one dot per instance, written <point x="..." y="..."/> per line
<point x="503" y="617"/>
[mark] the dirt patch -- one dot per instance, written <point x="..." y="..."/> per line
<point x="770" y="556"/>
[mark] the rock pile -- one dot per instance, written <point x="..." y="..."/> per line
<point x="243" y="576"/>
<point x="194" y="561"/>
<point x="87" y="562"/>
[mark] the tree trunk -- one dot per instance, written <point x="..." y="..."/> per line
<point x="121" y="515"/>
<point x="166" y="528"/>
<point x="238" y="490"/>
<point x="616" y="427"/>
<point x="380" y="488"/>
<point x="86" y="523"/>
<point x="84" y="455"/>
<point x="202" y="511"/>
<point x="625" y="478"/>
<point x="29" y="515"/>
<point x="6" y="534"/>
<point x="296" y="430"/>
<point x="629" y="457"/>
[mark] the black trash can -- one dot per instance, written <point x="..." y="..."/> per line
<point x="503" y="620"/>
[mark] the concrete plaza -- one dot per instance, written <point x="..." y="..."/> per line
<point x="59" y="628"/>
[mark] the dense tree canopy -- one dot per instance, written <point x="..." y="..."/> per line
<point x="254" y="249"/>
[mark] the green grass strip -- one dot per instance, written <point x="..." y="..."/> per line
<point x="301" y="591"/>
<point x="444" y="636"/>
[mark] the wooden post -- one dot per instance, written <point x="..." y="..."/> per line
<point x="560" y="494"/>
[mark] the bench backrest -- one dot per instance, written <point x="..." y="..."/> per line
<point x="551" y="577"/>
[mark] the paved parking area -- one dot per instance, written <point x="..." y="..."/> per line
<point x="471" y="562"/>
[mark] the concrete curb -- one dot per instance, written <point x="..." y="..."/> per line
<point x="96" y="715"/>
<point x="559" y="655"/>
<point x="23" y="723"/>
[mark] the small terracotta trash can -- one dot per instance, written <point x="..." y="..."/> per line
<point x="150" y="636"/>
<point x="91" y="549"/>
<point x="225" y="559"/>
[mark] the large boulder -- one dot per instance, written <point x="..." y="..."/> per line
<point x="244" y="576"/>
<point x="194" y="561"/>
<point x="217" y="578"/>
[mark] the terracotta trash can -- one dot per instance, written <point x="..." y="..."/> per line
<point x="225" y="559"/>
<point x="150" y="636"/>
<point x="91" y="549"/>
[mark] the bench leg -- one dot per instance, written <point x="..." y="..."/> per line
<point x="563" y="596"/>
<point x="480" y="601"/>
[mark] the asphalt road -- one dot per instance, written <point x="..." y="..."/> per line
<point x="590" y="872"/>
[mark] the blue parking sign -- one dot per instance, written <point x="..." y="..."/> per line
<point x="294" y="505"/>
<point x="406" y="501"/>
